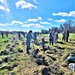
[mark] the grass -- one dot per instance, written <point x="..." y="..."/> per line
<point x="72" y="36"/>
<point x="26" y="63"/>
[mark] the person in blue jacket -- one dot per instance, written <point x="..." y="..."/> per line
<point x="28" y="41"/>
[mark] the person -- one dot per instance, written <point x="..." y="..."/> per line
<point x="7" y="34"/>
<point x="2" y="34"/>
<point x="14" y="37"/>
<point x="28" y="40"/>
<point x="35" y="37"/>
<point x="67" y="35"/>
<point x="51" y="38"/>
<point x="56" y="36"/>
<point x="19" y="35"/>
<point x="35" y="52"/>
<point x="63" y="38"/>
<point x="43" y="45"/>
<point x="23" y="33"/>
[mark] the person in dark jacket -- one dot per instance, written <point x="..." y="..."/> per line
<point x="64" y="35"/>
<point x="35" y="37"/>
<point x="51" y="38"/>
<point x="2" y="33"/>
<point x="67" y="35"/>
<point x="7" y="34"/>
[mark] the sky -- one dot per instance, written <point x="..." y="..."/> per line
<point x="25" y="15"/>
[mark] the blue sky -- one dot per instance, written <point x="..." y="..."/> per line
<point x="24" y="15"/>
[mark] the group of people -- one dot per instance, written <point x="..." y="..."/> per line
<point x="65" y="35"/>
<point x="53" y="38"/>
<point x="2" y="33"/>
<point x="19" y="35"/>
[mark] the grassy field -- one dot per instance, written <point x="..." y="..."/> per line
<point x="14" y="62"/>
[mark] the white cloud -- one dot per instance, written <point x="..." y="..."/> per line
<point x="45" y="23"/>
<point x="23" y="4"/>
<point x="39" y="26"/>
<point x="23" y="24"/>
<point x="50" y="19"/>
<point x="2" y="1"/>
<point x="39" y="18"/>
<point x="33" y="24"/>
<point x="34" y="19"/>
<point x="7" y="9"/>
<point x="14" y="22"/>
<point x="60" y="14"/>
<point x="61" y="20"/>
<point x="70" y="14"/>
<point x="4" y="24"/>
<point x="2" y="7"/>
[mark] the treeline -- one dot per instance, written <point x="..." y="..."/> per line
<point x="69" y="25"/>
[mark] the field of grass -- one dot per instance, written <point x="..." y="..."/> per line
<point x="19" y="63"/>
